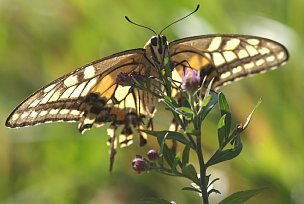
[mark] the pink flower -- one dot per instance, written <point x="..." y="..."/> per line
<point x="191" y="80"/>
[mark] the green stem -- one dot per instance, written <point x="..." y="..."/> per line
<point x="202" y="168"/>
<point x="197" y="124"/>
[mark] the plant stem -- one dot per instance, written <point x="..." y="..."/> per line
<point x="202" y="169"/>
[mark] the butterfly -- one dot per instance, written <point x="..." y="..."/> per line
<point x="91" y="95"/>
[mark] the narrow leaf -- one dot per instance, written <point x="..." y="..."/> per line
<point x="176" y="160"/>
<point x="225" y="110"/>
<point x="228" y="154"/>
<point x="191" y="189"/>
<point x="241" y="196"/>
<point x="214" y="191"/>
<point x="221" y="131"/>
<point x="250" y="116"/>
<point x="207" y="108"/>
<point x="185" y="157"/>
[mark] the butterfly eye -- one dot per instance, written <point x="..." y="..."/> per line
<point x="154" y="41"/>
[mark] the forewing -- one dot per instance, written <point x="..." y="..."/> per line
<point x="226" y="58"/>
<point x="61" y="99"/>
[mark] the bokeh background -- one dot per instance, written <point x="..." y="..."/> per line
<point x="53" y="163"/>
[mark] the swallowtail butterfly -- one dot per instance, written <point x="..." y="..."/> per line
<point x="91" y="95"/>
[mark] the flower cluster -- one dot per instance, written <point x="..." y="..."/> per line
<point x="140" y="164"/>
<point x="191" y="80"/>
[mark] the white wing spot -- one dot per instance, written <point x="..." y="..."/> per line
<point x="34" y="103"/>
<point x="281" y="55"/>
<point x="71" y="80"/>
<point x="260" y="62"/>
<point x="242" y="54"/>
<point x="75" y="112"/>
<point x="54" y="111"/>
<point x="270" y="58"/>
<point x="89" y="72"/>
<point x="68" y="92"/>
<point x="91" y="83"/>
<point x="249" y="65"/>
<point x="15" y="116"/>
<point x="55" y="96"/>
<point x="218" y="59"/>
<point x="24" y="115"/>
<point x="50" y="87"/>
<point x="237" y="69"/>
<point x="253" y="41"/>
<point x="33" y="114"/>
<point x="78" y="90"/>
<point x="232" y="44"/>
<point x="215" y="44"/>
<point x="264" y="50"/>
<point x="225" y="75"/>
<point x="64" y="111"/>
<point x="229" y="56"/>
<point x="251" y="50"/>
<point x="272" y="68"/>
<point x="88" y="121"/>
<point x="43" y="113"/>
<point x="47" y="97"/>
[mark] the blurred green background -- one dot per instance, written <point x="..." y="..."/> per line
<point x="53" y="163"/>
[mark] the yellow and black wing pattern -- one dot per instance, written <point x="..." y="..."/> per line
<point x="91" y="95"/>
<point x="226" y="58"/>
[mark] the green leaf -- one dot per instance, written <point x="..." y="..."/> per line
<point x="213" y="181"/>
<point x="190" y="172"/>
<point x="171" y="104"/>
<point x="176" y="160"/>
<point x="155" y="201"/>
<point x="241" y="197"/>
<point x="207" y="108"/>
<point x="169" y="135"/>
<point x="166" y="152"/>
<point x="221" y="131"/>
<point x="228" y="154"/>
<point x="186" y="110"/>
<point x="214" y="191"/>
<point x="191" y="189"/>
<point x="185" y="156"/>
<point x="207" y="92"/>
<point x="225" y="110"/>
<point x="250" y="116"/>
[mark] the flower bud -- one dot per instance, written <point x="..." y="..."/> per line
<point x="152" y="154"/>
<point x="139" y="164"/>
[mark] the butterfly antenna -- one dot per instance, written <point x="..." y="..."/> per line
<point x="127" y="18"/>
<point x="197" y="7"/>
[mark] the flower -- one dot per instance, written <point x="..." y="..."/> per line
<point x="152" y="154"/>
<point x="124" y="79"/>
<point x="191" y="80"/>
<point x="139" y="164"/>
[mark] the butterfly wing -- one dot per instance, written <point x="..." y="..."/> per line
<point x="226" y="58"/>
<point x="70" y="97"/>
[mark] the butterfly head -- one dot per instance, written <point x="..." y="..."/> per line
<point x="156" y="49"/>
